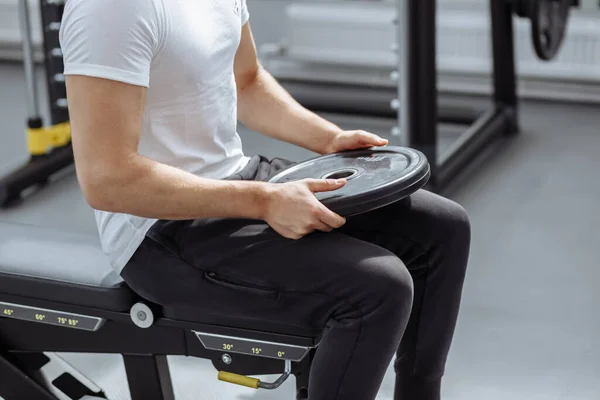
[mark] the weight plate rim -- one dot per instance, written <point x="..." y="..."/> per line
<point x="380" y="203"/>
<point x="420" y="172"/>
<point x="417" y="155"/>
<point x="347" y="208"/>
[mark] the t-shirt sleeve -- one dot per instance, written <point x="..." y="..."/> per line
<point x="111" y="39"/>
<point x="245" y="12"/>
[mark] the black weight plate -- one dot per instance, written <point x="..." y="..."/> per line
<point x="549" y="20"/>
<point x="376" y="177"/>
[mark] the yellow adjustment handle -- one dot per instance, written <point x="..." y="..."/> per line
<point x="39" y="140"/>
<point x="238" y="379"/>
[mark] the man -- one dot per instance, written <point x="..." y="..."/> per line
<point x="155" y="89"/>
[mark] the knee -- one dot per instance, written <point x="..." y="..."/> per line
<point x="459" y="223"/>
<point x="400" y="289"/>
<point x="454" y="240"/>
<point x="389" y="286"/>
<point x="450" y="226"/>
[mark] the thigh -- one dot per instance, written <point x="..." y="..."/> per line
<point x="417" y="229"/>
<point x="247" y="271"/>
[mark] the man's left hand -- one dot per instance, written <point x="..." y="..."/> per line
<point x="352" y="140"/>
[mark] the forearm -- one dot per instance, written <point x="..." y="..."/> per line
<point x="153" y="190"/>
<point x="267" y="108"/>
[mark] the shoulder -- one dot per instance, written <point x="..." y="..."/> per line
<point x="109" y="20"/>
<point x="111" y="39"/>
<point x="108" y="14"/>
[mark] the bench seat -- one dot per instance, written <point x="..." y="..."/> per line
<point x="62" y="267"/>
<point x="45" y="266"/>
<point x="70" y="268"/>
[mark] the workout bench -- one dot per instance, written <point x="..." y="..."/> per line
<point x="58" y="294"/>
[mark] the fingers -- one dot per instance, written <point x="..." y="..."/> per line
<point x="324" y="185"/>
<point x="330" y="218"/>
<point x="299" y="233"/>
<point x="321" y="226"/>
<point x="322" y="213"/>
<point x="321" y="219"/>
<point x="372" y="139"/>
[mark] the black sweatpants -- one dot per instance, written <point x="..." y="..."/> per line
<point x="387" y="283"/>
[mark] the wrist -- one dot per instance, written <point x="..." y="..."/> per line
<point x="330" y="143"/>
<point x="261" y="200"/>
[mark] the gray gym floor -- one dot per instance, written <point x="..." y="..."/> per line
<point x="528" y="327"/>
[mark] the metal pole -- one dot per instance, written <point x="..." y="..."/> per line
<point x="28" y="62"/>
<point x="418" y="77"/>
<point x="503" y="54"/>
<point x="404" y="109"/>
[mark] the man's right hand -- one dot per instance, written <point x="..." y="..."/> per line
<point x="293" y="210"/>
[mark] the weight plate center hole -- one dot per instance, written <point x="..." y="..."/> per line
<point x="342" y="174"/>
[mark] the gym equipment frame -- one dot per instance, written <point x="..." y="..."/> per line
<point x="62" y="296"/>
<point x="49" y="146"/>
<point x="411" y="103"/>
<point x="25" y="349"/>
<point x="418" y="111"/>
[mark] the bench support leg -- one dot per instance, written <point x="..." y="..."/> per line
<point x="302" y="373"/>
<point x="302" y="385"/>
<point x="148" y="377"/>
<point x="17" y="385"/>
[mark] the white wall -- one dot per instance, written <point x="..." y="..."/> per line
<point x="352" y="42"/>
<point x="268" y="19"/>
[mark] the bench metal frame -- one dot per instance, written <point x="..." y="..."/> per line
<point x="24" y="342"/>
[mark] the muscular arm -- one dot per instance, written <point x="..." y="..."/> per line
<point x="265" y="107"/>
<point x="106" y="123"/>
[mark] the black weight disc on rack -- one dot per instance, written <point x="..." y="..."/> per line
<point x="549" y="20"/>
<point x="376" y="177"/>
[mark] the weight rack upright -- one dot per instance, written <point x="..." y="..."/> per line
<point x="417" y="89"/>
<point x="49" y="145"/>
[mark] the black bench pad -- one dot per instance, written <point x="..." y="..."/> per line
<point x="63" y="267"/>
<point x="119" y="298"/>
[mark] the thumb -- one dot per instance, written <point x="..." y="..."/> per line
<point x="324" y="185"/>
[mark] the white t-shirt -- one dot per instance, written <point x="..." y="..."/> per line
<point x="183" y="51"/>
